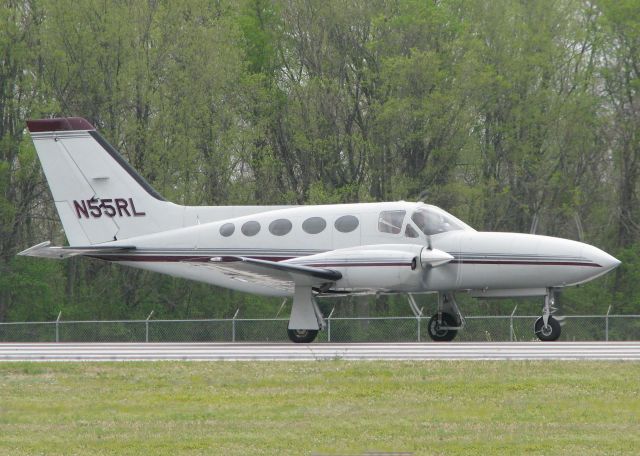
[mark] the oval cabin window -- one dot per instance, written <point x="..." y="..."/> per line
<point x="314" y="225"/>
<point x="250" y="228"/>
<point x="346" y="223"/>
<point x="227" y="229"/>
<point x="280" y="227"/>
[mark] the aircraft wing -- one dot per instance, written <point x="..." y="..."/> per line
<point x="46" y="250"/>
<point x="273" y="274"/>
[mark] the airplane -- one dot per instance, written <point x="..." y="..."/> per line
<point x="109" y="212"/>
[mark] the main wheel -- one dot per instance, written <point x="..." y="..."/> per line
<point x="442" y="335"/>
<point x="302" y="336"/>
<point x="547" y="333"/>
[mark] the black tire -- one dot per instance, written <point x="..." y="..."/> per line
<point x="442" y="335"/>
<point x="550" y="333"/>
<point x="302" y="336"/>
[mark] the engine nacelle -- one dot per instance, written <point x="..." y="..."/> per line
<point x="387" y="267"/>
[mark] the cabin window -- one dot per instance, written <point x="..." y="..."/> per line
<point x="227" y="229"/>
<point x="433" y="222"/>
<point x="314" y="225"/>
<point x="280" y="227"/>
<point x="346" y="223"/>
<point x="390" y="221"/>
<point x="250" y="228"/>
<point x="410" y="232"/>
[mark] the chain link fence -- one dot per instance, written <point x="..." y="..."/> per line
<point x="342" y="329"/>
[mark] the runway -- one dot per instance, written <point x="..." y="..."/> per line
<point x="313" y="352"/>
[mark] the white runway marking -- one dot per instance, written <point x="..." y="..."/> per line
<point x="301" y="352"/>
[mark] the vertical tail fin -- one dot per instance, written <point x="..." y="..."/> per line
<point x="98" y="195"/>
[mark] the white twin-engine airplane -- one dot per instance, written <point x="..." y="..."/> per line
<point x="111" y="213"/>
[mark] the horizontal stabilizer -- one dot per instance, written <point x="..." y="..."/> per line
<point x="46" y="250"/>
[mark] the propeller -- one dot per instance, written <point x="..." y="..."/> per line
<point x="429" y="257"/>
<point x="432" y="258"/>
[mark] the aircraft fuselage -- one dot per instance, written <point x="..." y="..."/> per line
<point x="487" y="263"/>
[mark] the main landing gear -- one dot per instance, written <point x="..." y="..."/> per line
<point x="546" y="327"/>
<point x="306" y="319"/>
<point x="444" y="325"/>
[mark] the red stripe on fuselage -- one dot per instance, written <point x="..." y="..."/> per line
<point x="174" y="258"/>
<point x="206" y="259"/>
<point x="528" y="263"/>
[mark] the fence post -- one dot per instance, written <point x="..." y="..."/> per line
<point x="329" y="324"/>
<point x="511" y="324"/>
<point x="284" y="301"/>
<point x="416" y="312"/>
<point x="146" y="324"/>
<point x="233" y="326"/>
<point x="57" y="327"/>
<point x="606" y="325"/>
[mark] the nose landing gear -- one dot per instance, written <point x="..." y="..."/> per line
<point x="547" y="328"/>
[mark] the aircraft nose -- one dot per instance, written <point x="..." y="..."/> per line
<point x="606" y="261"/>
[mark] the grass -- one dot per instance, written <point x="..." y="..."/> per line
<point x="329" y="407"/>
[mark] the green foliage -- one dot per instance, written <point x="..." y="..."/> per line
<point x="501" y="112"/>
<point x="35" y="289"/>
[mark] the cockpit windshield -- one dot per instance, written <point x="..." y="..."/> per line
<point x="433" y="221"/>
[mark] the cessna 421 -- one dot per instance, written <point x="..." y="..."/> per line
<point x="110" y="212"/>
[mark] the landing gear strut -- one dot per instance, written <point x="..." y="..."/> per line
<point x="548" y="328"/>
<point x="444" y="325"/>
<point x="306" y="319"/>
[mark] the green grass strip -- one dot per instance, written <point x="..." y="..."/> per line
<point x="331" y="407"/>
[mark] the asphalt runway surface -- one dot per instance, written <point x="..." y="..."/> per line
<point x="311" y="352"/>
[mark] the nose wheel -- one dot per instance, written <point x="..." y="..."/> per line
<point x="549" y="332"/>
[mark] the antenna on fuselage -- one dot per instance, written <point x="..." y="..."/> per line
<point x="534" y="224"/>
<point x="576" y="217"/>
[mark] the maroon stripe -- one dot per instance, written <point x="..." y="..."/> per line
<point x="206" y="259"/>
<point x="173" y="258"/>
<point x="59" y="124"/>
<point x="342" y="265"/>
<point x="529" y="263"/>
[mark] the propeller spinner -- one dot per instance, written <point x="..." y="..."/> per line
<point x="432" y="258"/>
